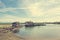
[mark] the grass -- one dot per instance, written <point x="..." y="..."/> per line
<point x="5" y="25"/>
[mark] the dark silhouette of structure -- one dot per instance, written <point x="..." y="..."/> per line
<point x="15" y="26"/>
<point x="29" y="24"/>
<point x="32" y="24"/>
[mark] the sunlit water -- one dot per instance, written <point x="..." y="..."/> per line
<point x="49" y="31"/>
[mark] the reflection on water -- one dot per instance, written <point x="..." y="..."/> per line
<point x="48" y="31"/>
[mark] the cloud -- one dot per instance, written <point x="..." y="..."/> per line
<point x="37" y="11"/>
<point x="54" y="1"/>
<point x="10" y="18"/>
<point x="43" y="8"/>
<point x="54" y="10"/>
<point x="9" y="9"/>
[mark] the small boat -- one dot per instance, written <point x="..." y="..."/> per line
<point x="35" y="24"/>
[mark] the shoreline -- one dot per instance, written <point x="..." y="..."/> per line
<point x="8" y="35"/>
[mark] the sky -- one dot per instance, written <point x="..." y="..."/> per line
<point x="29" y="10"/>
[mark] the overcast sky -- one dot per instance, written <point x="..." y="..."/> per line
<point x="29" y="10"/>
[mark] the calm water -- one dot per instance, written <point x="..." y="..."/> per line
<point x="50" y="30"/>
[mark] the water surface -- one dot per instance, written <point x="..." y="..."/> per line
<point x="48" y="31"/>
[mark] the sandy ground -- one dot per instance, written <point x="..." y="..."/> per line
<point x="7" y="35"/>
<point x="33" y="38"/>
